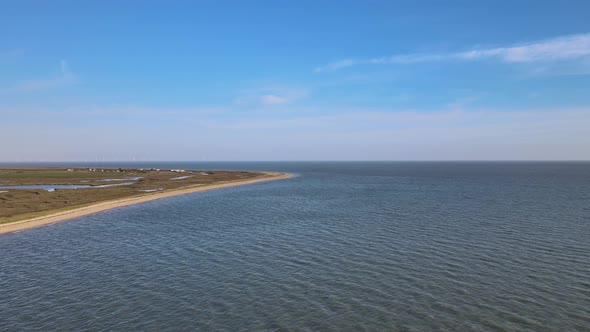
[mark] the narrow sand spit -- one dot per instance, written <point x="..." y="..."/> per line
<point x="103" y="206"/>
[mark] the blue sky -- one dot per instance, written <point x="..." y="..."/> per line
<point x="294" y="80"/>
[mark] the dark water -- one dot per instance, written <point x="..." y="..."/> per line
<point x="344" y="246"/>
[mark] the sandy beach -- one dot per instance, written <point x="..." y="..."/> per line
<point x="103" y="206"/>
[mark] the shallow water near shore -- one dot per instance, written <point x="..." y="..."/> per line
<point x="344" y="246"/>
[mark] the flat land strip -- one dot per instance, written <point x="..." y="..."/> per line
<point x="110" y="188"/>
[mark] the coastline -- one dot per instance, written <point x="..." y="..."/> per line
<point x="108" y="205"/>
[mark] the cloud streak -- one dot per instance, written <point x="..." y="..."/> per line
<point x="272" y="100"/>
<point x="487" y="134"/>
<point x="556" y="49"/>
<point x="64" y="77"/>
<point x="270" y="96"/>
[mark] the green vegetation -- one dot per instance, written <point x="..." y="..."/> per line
<point x="52" y="174"/>
<point x="20" y="204"/>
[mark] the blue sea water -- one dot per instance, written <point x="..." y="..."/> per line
<point x="375" y="246"/>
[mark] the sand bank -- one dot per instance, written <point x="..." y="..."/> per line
<point x="103" y="206"/>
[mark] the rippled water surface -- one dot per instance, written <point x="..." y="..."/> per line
<point x="343" y="246"/>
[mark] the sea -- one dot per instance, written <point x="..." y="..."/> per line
<point x="343" y="246"/>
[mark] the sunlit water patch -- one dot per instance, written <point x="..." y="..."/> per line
<point x="134" y="178"/>
<point x="182" y="177"/>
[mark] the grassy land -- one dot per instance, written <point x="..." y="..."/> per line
<point x="20" y="204"/>
<point x="29" y="173"/>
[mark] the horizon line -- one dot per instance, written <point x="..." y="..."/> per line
<point x="294" y="161"/>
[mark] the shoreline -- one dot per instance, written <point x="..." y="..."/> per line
<point x="109" y="205"/>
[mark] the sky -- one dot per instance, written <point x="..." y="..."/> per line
<point x="294" y="80"/>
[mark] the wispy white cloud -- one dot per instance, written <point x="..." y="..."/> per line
<point x="92" y="113"/>
<point x="556" y="49"/>
<point x="64" y="77"/>
<point x="270" y="96"/>
<point x="272" y="100"/>
<point x="352" y="134"/>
